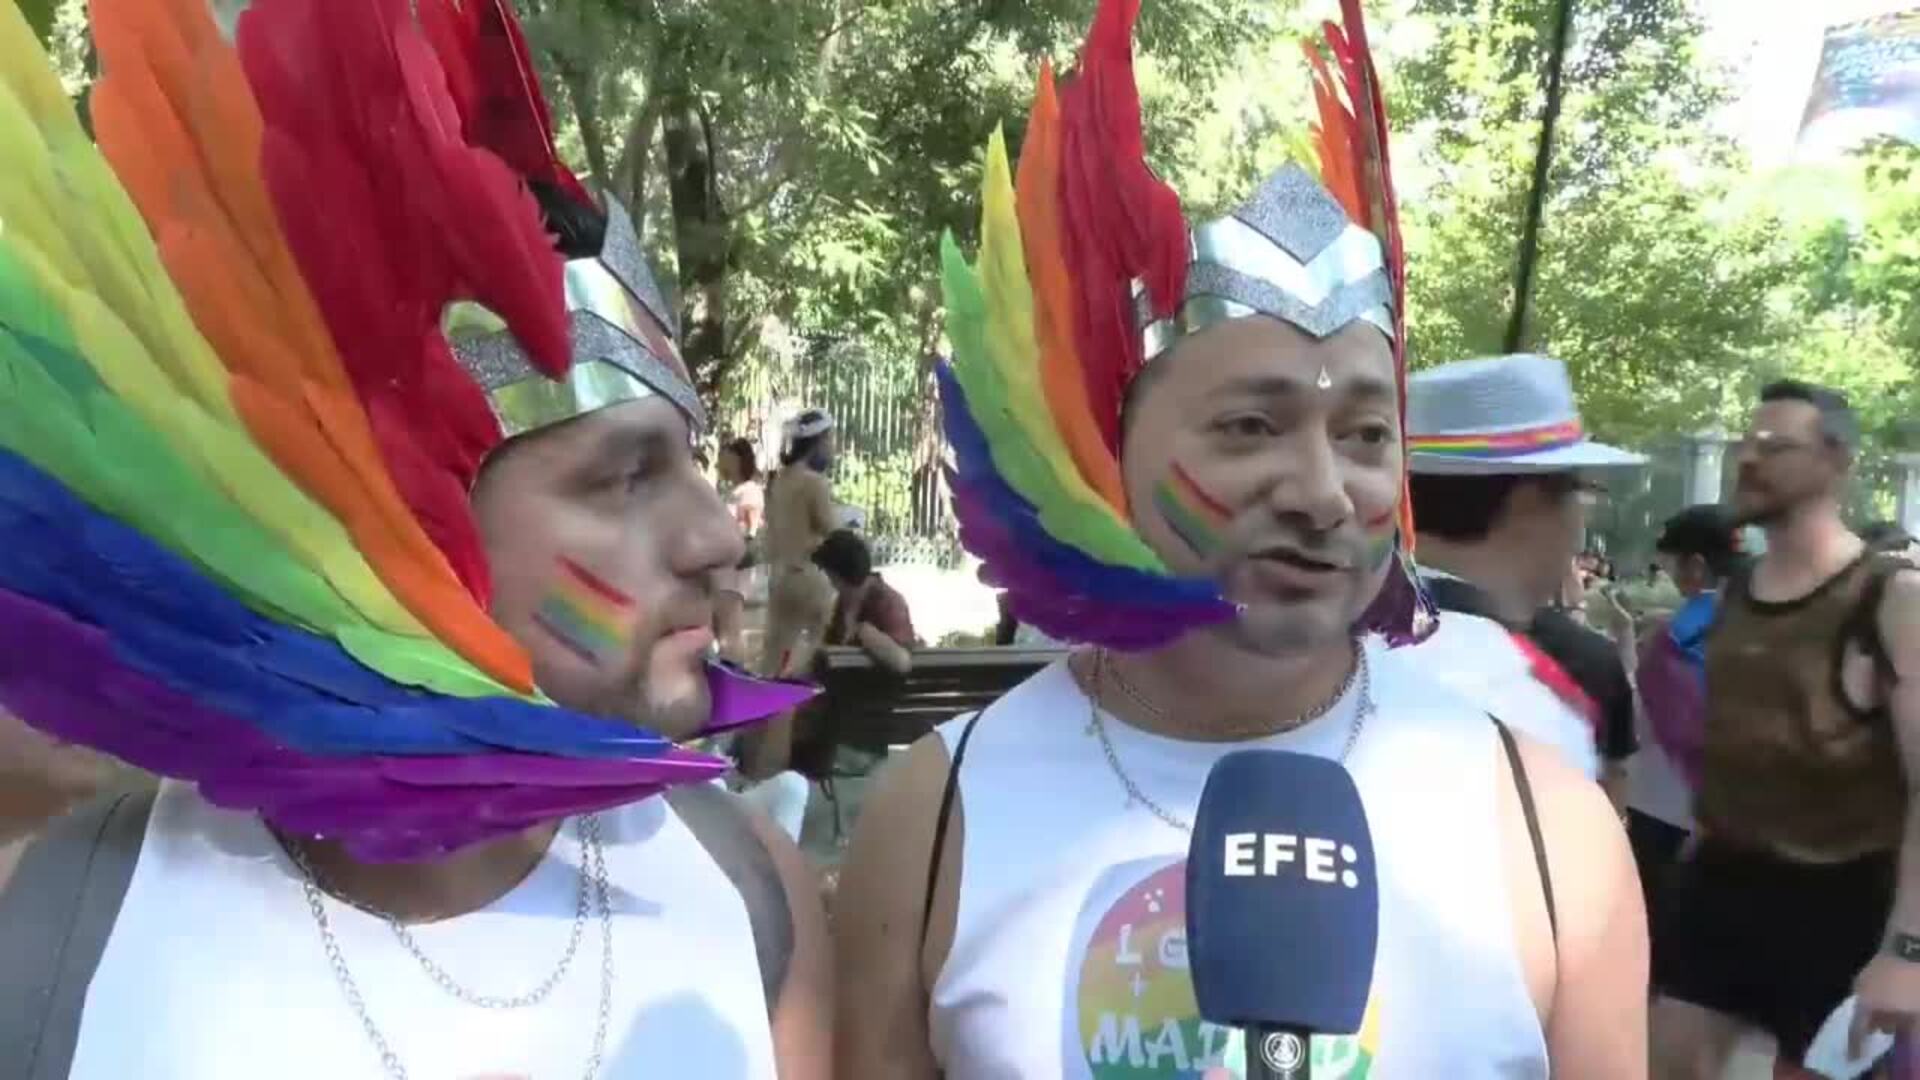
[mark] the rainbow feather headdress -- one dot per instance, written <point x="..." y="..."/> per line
<point x="235" y="447"/>
<point x="1087" y="271"/>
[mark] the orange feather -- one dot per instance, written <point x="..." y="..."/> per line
<point x="175" y="117"/>
<point x="1334" y="138"/>
<point x="1037" y="190"/>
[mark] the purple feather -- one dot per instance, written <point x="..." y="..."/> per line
<point x="1402" y="612"/>
<point x="739" y="699"/>
<point x="1051" y="585"/>
<point x="63" y="677"/>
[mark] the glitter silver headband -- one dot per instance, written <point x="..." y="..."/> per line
<point x="1289" y="253"/>
<point x="623" y="343"/>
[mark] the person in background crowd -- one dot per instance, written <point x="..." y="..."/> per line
<point x="1572" y="595"/>
<point x="1699" y="547"/>
<point x="1007" y="625"/>
<point x="1014" y="902"/>
<point x="745" y="497"/>
<point x="1805" y="884"/>
<point x="1501" y="502"/>
<point x="740" y="484"/>
<point x="1009" y="630"/>
<point x="800" y="515"/>
<point x="867" y="611"/>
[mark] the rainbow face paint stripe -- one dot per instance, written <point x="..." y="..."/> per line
<point x="1197" y="517"/>
<point x="1502" y="444"/>
<point x="591" y="618"/>
<point x="1381" y="535"/>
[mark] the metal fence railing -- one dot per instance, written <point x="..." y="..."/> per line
<point x="890" y="446"/>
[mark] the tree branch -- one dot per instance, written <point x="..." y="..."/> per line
<point x="585" y="98"/>
<point x="635" y="151"/>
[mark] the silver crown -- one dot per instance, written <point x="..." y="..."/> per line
<point x="1290" y="253"/>
<point x="623" y="336"/>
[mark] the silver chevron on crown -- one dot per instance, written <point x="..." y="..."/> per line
<point x="1289" y="253"/>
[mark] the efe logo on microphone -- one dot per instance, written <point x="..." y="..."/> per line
<point x="1319" y="860"/>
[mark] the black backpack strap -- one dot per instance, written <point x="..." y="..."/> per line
<point x="1524" y="788"/>
<point x="1864" y="625"/>
<point x="718" y="820"/>
<point x="56" y="913"/>
<point x="1733" y="590"/>
<point x="940" y="823"/>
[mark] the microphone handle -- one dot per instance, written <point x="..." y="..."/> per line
<point x="1275" y="1053"/>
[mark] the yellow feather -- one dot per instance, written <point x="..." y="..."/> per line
<point x="1078" y="515"/>
<point x="102" y="269"/>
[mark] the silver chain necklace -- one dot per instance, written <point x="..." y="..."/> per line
<point x="593" y="882"/>
<point x="1103" y="665"/>
<point x="1360" y="673"/>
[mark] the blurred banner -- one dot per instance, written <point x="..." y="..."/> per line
<point x="1868" y="85"/>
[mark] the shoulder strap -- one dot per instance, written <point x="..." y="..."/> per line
<point x="55" y="915"/>
<point x="1524" y="788"/>
<point x="947" y="794"/>
<point x="719" y="822"/>
<point x="1863" y="625"/>
<point x="1734" y="590"/>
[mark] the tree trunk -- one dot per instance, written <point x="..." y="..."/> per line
<point x="630" y="176"/>
<point x="703" y="236"/>
<point x="584" y="93"/>
<point x="930" y="516"/>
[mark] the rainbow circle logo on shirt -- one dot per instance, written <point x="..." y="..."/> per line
<point x="1131" y="1009"/>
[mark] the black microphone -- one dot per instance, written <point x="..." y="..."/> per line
<point x="1283" y="906"/>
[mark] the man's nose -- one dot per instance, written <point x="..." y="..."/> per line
<point x="1310" y="483"/>
<point x="710" y="539"/>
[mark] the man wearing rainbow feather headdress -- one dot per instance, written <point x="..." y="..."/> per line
<point x="1182" y="447"/>
<point x="414" y="621"/>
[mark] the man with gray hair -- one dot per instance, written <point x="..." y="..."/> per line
<point x="1805" y="886"/>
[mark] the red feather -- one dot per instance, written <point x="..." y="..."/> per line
<point x="1354" y="154"/>
<point x="1548" y="673"/>
<point x="491" y="78"/>
<point x="1371" y="156"/>
<point x="1121" y="222"/>
<point x="392" y="215"/>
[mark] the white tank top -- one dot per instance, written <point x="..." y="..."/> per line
<point x="215" y="969"/>
<point x="1069" y="954"/>
<point x="1478" y="659"/>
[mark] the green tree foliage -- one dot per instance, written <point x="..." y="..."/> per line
<point x="795" y="162"/>
<point x="1660" y="303"/>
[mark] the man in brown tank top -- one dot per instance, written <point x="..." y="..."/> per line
<point x="1794" y="898"/>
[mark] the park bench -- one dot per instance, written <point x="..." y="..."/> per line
<point x="865" y="711"/>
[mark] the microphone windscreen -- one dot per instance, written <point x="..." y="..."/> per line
<point x="1283" y="901"/>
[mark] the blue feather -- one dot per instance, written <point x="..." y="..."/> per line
<point x="1080" y="589"/>
<point x="166" y="619"/>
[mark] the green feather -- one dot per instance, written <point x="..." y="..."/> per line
<point x="56" y="413"/>
<point x="1085" y="523"/>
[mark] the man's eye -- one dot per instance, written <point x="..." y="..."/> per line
<point x="638" y="476"/>
<point x="1246" y="426"/>
<point x="1374" y="434"/>
<point x="627" y="479"/>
